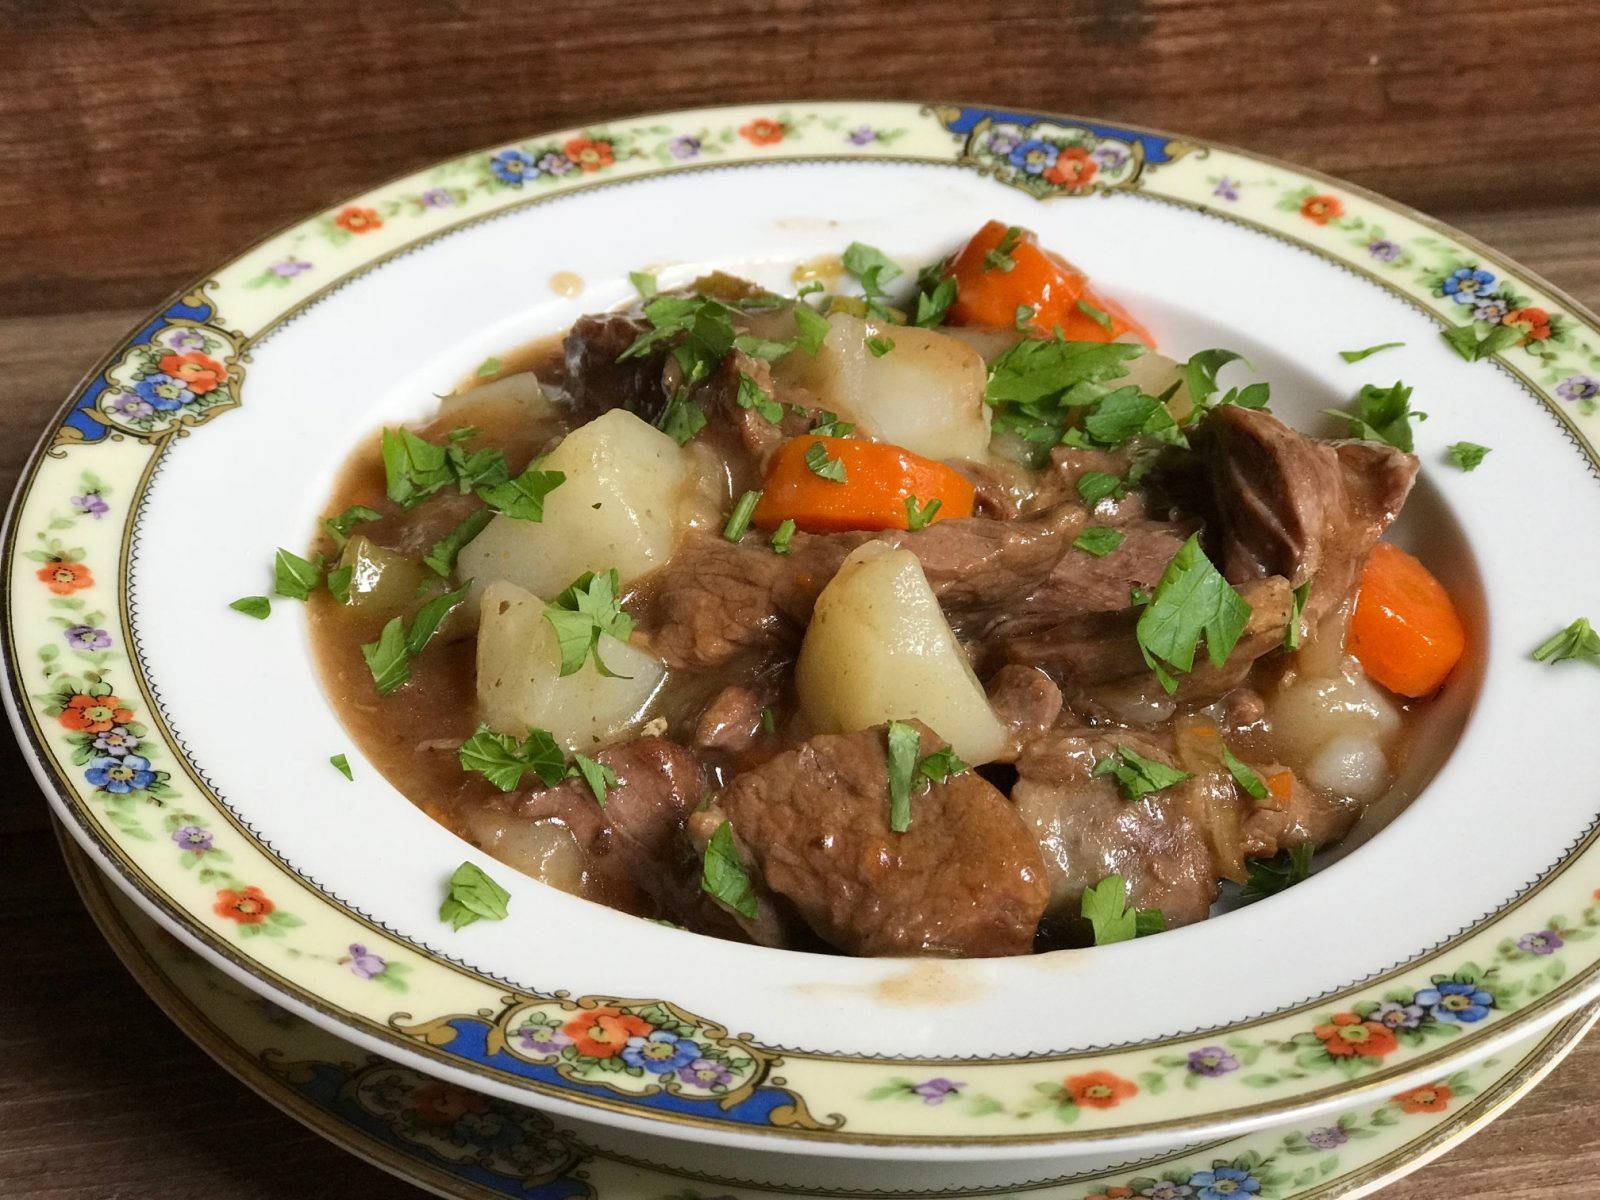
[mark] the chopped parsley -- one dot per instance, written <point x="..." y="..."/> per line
<point x="936" y="292"/>
<point x="903" y="745"/>
<point x="1105" y="907"/>
<point x="1297" y="608"/>
<point x="941" y="766"/>
<point x="1024" y="317"/>
<point x="338" y="527"/>
<point x="811" y="328"/>
<point x="870" y="267"/>
<point x="782" y="535"/>
<point x="441" y="559"/>
<point x="338" y="581"/>
<point x="828" y="424"/>
<point x="682" y="418"/>
<point x="1098" y="315"/>
<point x="597" y="776"/>
<point x="474" y="469"/>
<point x="739" y="518"/>
<point x="921" y="516"/>
<point x="1268" y="876"/>
<point x="1137" y="775"/>
<point x="588" y="608"/>
<point x="644" y="282"/>
<point x="723" y="877"/>
<point x="1098" y="540"/>
<point x="1352" y="356"/>
<point x="1200" y="373"/>
<point x="1466" y="455"/>
<point x="473" y="896"/>
<point x="823" y="465"/>
<point x="1036" y="386"/>
<point x="879" y="346"/>
<point x="1127" y="412"/>
<point x="430" y="616"/>
<point x="999" y="259"/>
<point x="752" y="395"/>
<point x="293" y="576"/>
<point x="258" y="607"/>
<point x="522" y="498"/>
<point x="413" y="468"/>
<point x="389" y="658"/>
<point x="1577" y="641"/>
<point x="1245" y="776"/>
<point x="1382" y="415"/>
<point x="1095" y="486"/>
<point x="342" y="765"/>
<point x="759" y="347"/>
<point x="769" y="723"/>
<point x="1192" y="601"/>
<point x="488" y="367"/>
<point x="503" y="760"/>
<point x="1464" y="340"/>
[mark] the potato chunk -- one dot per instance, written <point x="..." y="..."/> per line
<point x="879" y="648"/>
<point x="619" y="507"/>
<point x="925" y="393"/>
<point x="520" y="685"/>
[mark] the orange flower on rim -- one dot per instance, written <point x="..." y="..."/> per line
<point x="589" y="154"/>
<point x="439" y="1103"/>
<point x="1347" y="1035"/>
<point x="1321" y="209"/>
<point x="1112" y="1193"/>
<point x="1430" y="1097"/>
<point x="1073" y="168"/>
<point x="64" y="578"/>
<point x="1534" y="323"/>
<point x="1098" y="1089"/>
<point x="604" y="1032"/>
<point x="249" y="907"/>
<point x="201" y="372"/>
<point x="763" y="131"/>
<point x="356" y="219"/>
<point x="94" y="714"/>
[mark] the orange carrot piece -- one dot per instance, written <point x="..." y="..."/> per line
<point x="1280" y="786"/>
<point x="877" y="480"/>
<point x="989" y="294"/>
<point x="1081" y="326"/>
<point x="1405" y="630"/>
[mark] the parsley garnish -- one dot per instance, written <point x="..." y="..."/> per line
<point x="1035" y="386"/>
<point x="503" y="760"/>
<point x="1245" y="776"/>
<point x="1105" y="907"/>
<point x="1098" y="540"/>
<point x="879" y="346"/>
<point x="473" y="896"/>
<point x="338" y="527"/>
<point x="739" y="518"/>
<point x="1095" y="486"/>
<point x="338" y="581"/>
<point x="1098" y="315"/>
<point x="596" y="775"/>
<point x="769" y="723"/>
<point x="588" y="608"/>
<point x="828" y="425"/>
<point x="921" y="516"/>
<point x="1137" y="775"/>
<point x="681" y="419"/>
<point x="413" y="469"/>
<point x="1024" y="317"/>
<point x="870" y="267"/>
<point x="522" y="498"/>
<point x="258" y="607"/>
<point x="430" y="616"/>
<point x="474" y="469"/>
<point x="936" y="292"/>
<point x="822" y="465"/>
<point x="1192" y="601"/>
<point x="1464" y="340"/>
<point x="1200" y="373"/>
<point x="811" y="328"/>
<point x="441" y="559"/>
<point x="1382" y="415"/>
<point x="722" y="874"/>
<point x="386" y="657"/>
<point x="941" y="766"/>
<point x="1271" y="875"/>
<point x="1358" y="355"/>
<point x="782" y="535"/>
<point x="1297" y="608"/>
<point x="1577" y="641"/>
<point x="752" y="395"/>
<point x="1466" y="455"/>
<point x="644" y="283"/>
<point x="1128" y="412"/>
<point x="999" y="259"/>
<point x="342" y="765"/>
<point x="489" y="366"/>
<point x="758" y="347"/>
<point x="903" y="744"/>
<point x="293" y="576"/>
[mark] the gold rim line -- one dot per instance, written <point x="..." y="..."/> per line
<point x="177" y="1006"/>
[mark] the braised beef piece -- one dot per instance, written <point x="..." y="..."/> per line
<point x="1026" y="700"/>
<point x="732" y="721"/>
<point x="754" y="434"/>
<point x="965" y="879"/>
<point x="596" y="382"/>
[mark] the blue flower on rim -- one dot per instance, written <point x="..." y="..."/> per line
<point x="511" y="166"/>
<point x="163" y="392"/>
<point x="1224" y="1183"/>
<point x="1467" y="284"/>
<point x="1034" y="156"/>
<point x="1461" y="1002"/>
<point x="662" y="1052"/>
<point x="130" y="773"/>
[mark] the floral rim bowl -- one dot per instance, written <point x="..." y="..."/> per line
<point x="201" y="785"/>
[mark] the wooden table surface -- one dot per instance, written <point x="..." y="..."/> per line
<point x="141" y="143"/>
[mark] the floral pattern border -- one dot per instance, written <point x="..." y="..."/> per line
<point x="184" y="367"/>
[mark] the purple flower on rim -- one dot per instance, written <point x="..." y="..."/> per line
<point x="1109" y="157"/>
<point x="115" y="742"/>
<point x="662" y="1052"/>
<point x="1578" y="387"/>
<point x="87" y="637"/>
<point x="91" y="504"/>
<point x="1546" y="941"/>
<point x="934" y="1091"/>
<point x="130" y="408"/>
<point x="288" y="268"/>
<point x="192" y="838"/>
<point x="186" y="339"/>
<point x="1002" y="143"/>
<point x="683" y="146"/>
<point x="553" y="162"/>
<point x="1466" y="284"/>
<point x="705" y="1073"/>
<point x="542" y="1039"/>
<point x="1398" y="1016"/>
<point x="163" y="392"/>
<point x="1227" y="188"/>
<point x="1329" y="1137"/>
<point x="1212" y="1060"/>
<point x="862" y="134"/>
<point x="119" y="776"/>
<point x="1462" y="1003"/>
<point x="364" y="963"/>
<point x="436" y="198"/>
<point x="511" y="166"/>
<point x="1033" y="156"/>
<point x="1167" y="1190"/>
<point x="1384" y="250"/>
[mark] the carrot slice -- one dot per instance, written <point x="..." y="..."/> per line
<point x="1405" y="630"/>
<point x="1082" y="325"/>
<point x="877" y="480"/>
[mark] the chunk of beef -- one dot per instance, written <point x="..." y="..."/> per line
<point x="1307" y="817"/>
<point x="754" y="435"/>
<point x="1026" y="700"/>
<point x="965" y="879"/>
<point x="732" y="721"/>
<point x="597" y="382"/>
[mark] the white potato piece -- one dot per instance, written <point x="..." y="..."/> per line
<point x="1335" y="729"/>
<point x="879" y="649"/>
<point x="619" y="507"/>
<point x="520" y="685"/>
<point x="925" y="394"/>
<point x="1155" y="373"/>
<point x="507" y="402"/>
<point x="1350" y="765"/>
<point x="545" y="850"/>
